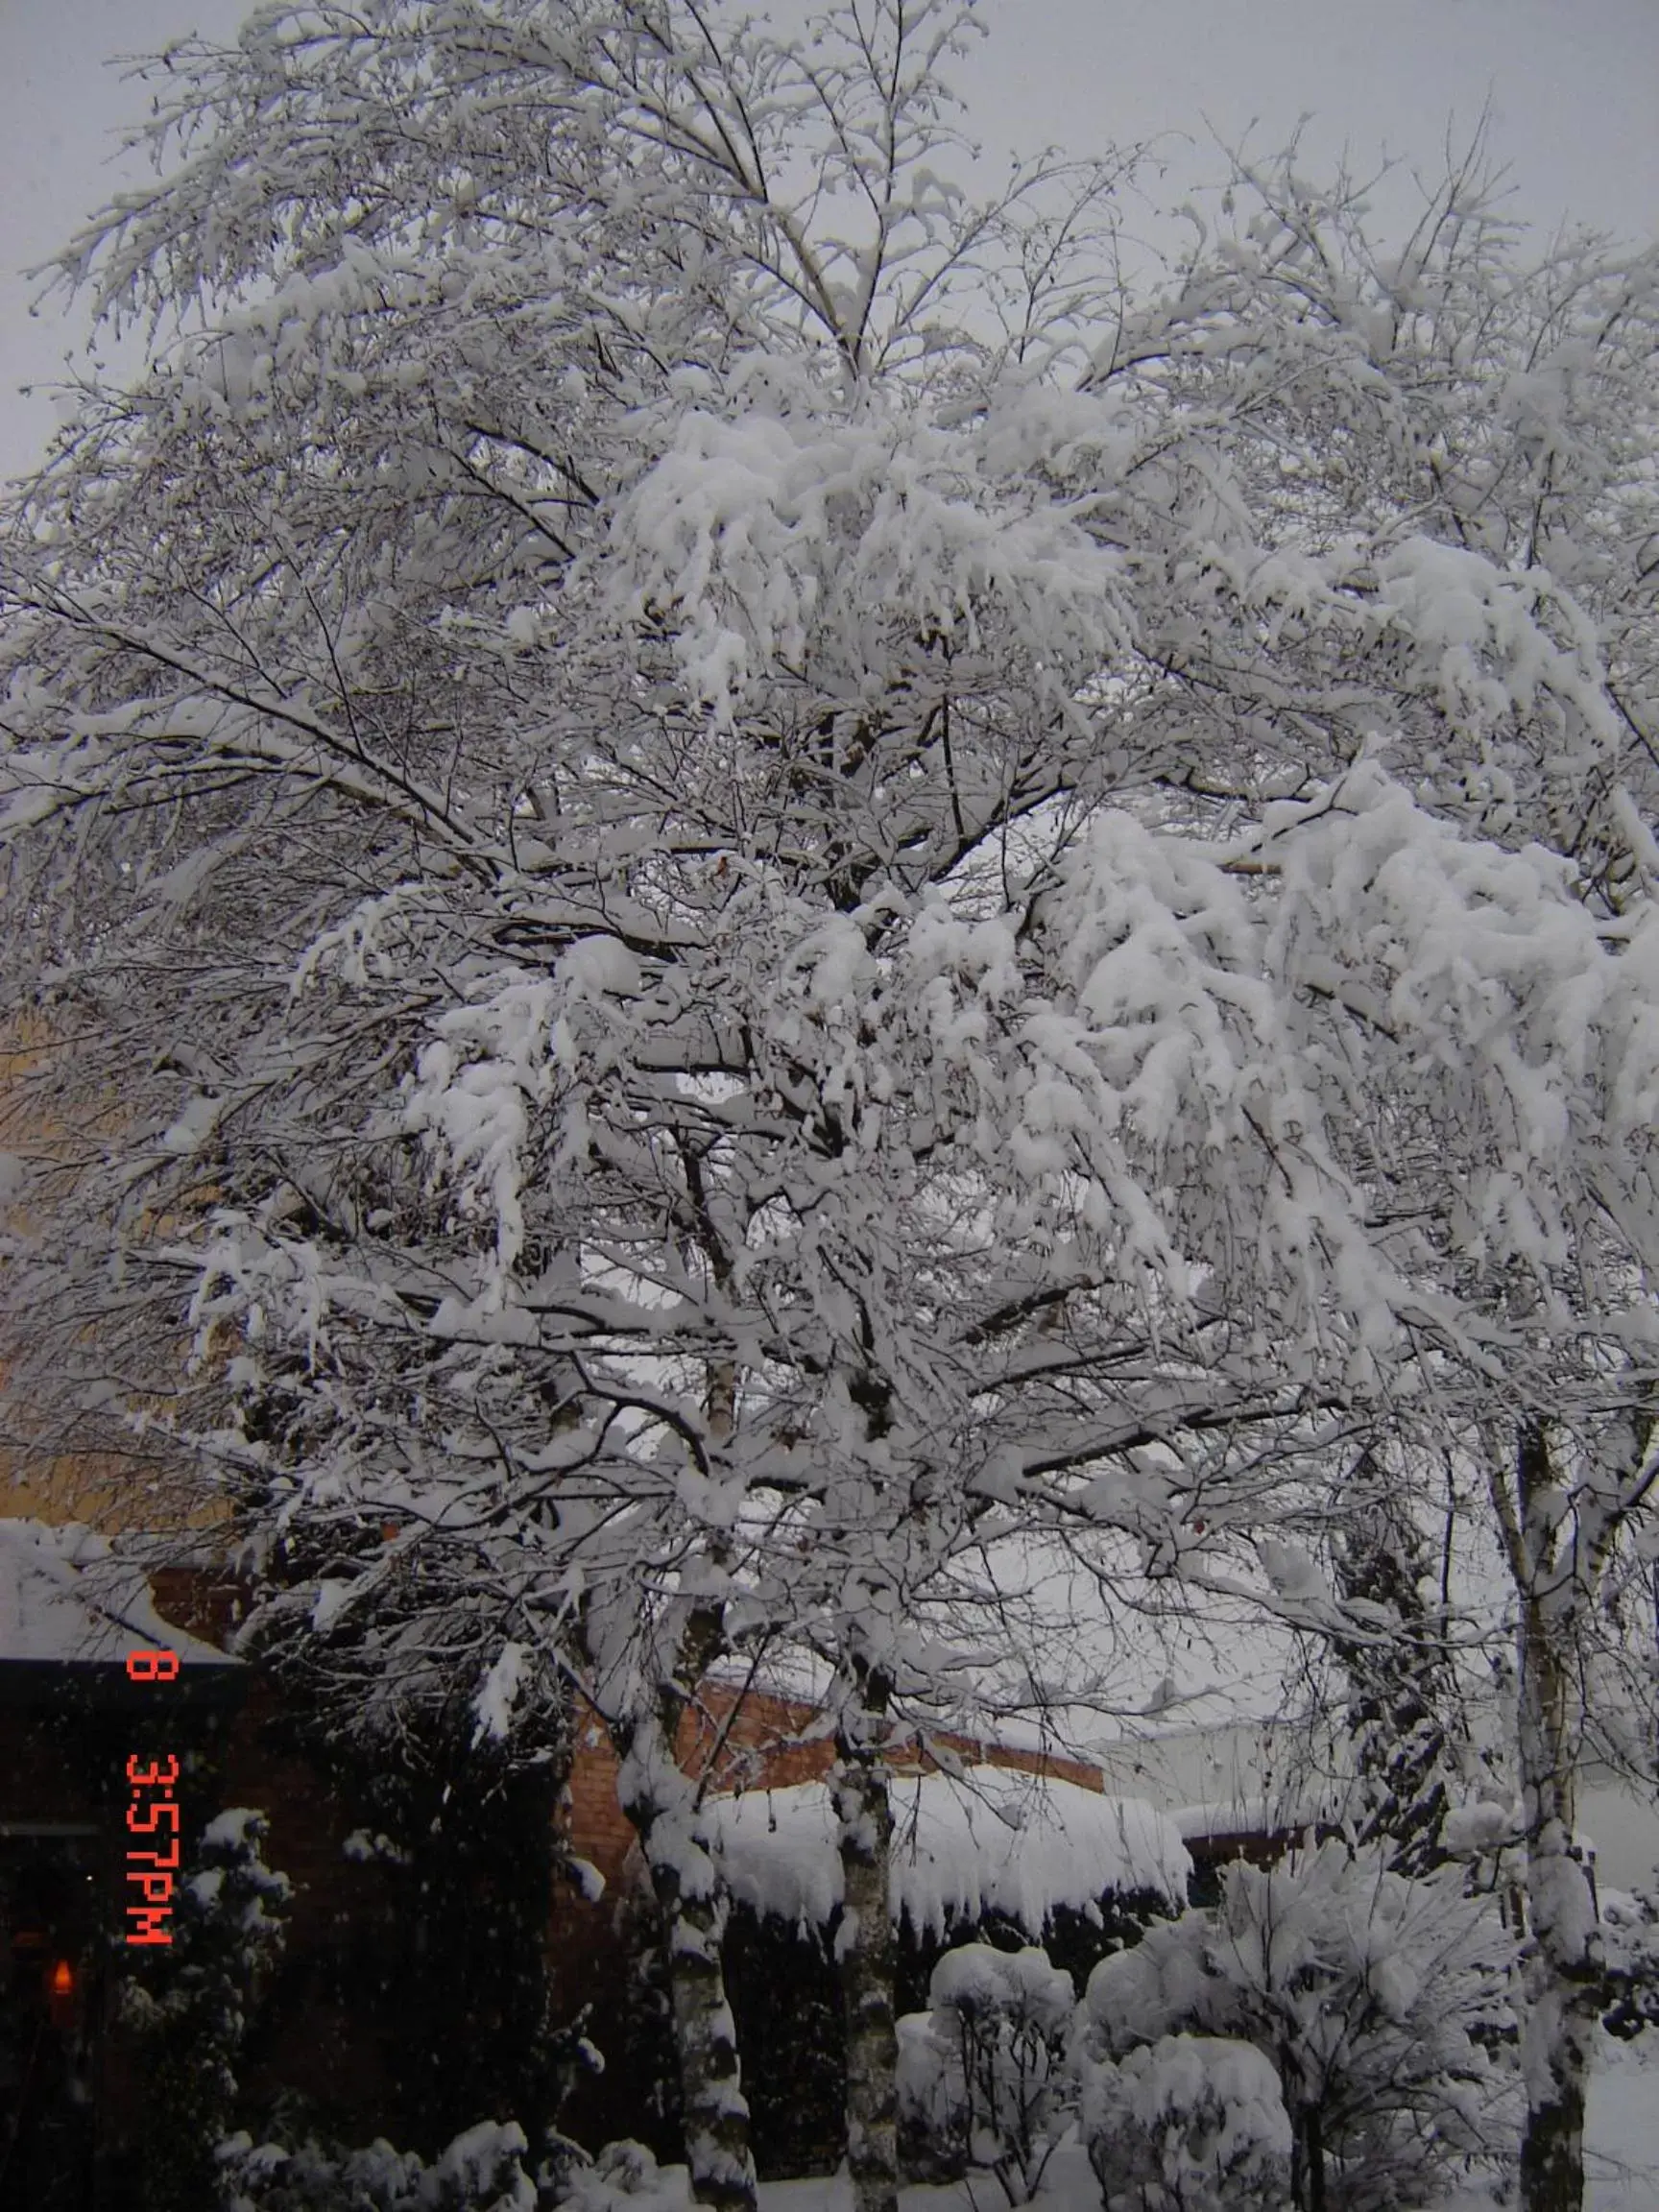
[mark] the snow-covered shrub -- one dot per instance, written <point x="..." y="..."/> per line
<point x="1376" y="1997"/>
<point x="485" y="2169"/>
<point x="270" y="2177"/>
<point x="189" y="2007"/>
<point x="623" y="2178"/>
<point x="1630" y="1944"/>
<point x="983" y="2077"/>
<point x="1188" y="2123"/>
<point x="482" y="2171"/>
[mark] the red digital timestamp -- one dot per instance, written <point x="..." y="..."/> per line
<point x="152" y="1821"/>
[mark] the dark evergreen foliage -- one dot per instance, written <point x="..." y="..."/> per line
<point x="189" y="2006"/>
<point x="453" y="1989"/>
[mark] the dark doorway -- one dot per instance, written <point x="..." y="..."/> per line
<point x="50" y="1991"/>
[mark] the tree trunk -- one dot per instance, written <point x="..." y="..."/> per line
<point x="1314" y="2169"/>
<point x="660" y="1801"/>
<point x="866" y="1951"/>
<point x="1306" y="2136"/>
<point x="1563" y="1971"/>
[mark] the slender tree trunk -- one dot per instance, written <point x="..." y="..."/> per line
<point x="1306" y="2136"/>
<point x="1564" y="1965"/>
<point x="866" y="1951"/>
<point x="1563" y="1971"/>
<point x="661" y="1800"/>
<point x="1313" y="2134"/>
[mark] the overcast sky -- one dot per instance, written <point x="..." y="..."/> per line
<point x="1574" y="86"/>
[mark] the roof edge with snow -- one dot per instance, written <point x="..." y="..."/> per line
<point x="996" y="1841"/>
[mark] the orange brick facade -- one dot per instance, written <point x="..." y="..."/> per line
<point x="755" y="1741"/>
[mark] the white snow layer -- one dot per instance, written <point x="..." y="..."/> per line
<point x="996" y="1841"/>
<point x="1254" y="1815"/>
<point x="65" y="1595"/>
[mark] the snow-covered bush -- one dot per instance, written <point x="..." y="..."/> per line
<point x="482" y="2171"/>
<point x="189" y="2007"/>
<point x="1630" y="1942"/>
<point x="1188" y="2123"/>
<point x="982" y="2079"/>
<point x="486" y="2169"/>
<point x="1376" y="1997"/>
<point x="623" y="2178"/>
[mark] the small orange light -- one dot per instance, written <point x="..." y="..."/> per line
<point x="62" y="1998"/>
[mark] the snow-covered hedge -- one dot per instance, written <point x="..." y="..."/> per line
<point x="994" y="1843"/>
<point x="482" y="2171"/>
<point x="189" y="2007"/>
<point x="486" y="2169"/>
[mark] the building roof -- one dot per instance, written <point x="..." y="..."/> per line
<point x="69" y="1600"/>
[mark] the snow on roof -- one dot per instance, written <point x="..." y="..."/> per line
<point x="996" y="1841"/>
<point x="1254" y="1815"/>
<point x="66" y="1598"/>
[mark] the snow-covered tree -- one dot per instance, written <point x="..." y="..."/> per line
<point x="1455" y="408"/>
<point x="718" y="899"/>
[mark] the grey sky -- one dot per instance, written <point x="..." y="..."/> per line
<point x="1574" y="86"/>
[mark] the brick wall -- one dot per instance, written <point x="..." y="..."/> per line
<point x="758" y="1742"/>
